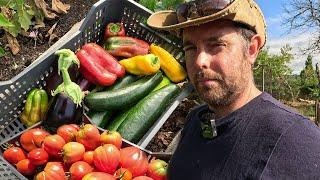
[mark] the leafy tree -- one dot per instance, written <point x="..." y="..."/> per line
<point x="309" y="80"/>
<point x="278" y="78"/>
<point x="157" y="5"/>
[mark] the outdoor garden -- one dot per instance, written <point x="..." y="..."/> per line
<point x="39" y="40"/>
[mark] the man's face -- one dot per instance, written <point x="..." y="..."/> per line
<point x="216" y="61"/>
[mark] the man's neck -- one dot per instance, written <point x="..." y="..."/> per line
<point x="249" y="94"/>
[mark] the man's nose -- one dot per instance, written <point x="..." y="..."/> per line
<point x="202" y="59"/>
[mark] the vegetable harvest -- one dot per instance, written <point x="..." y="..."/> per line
<point x="171" y="67"/>
<point x="142" y="64"/>
<point x="114" y="29"/>
<point x="126" y="46"/>
<point x="35" y="108"/>
<point x="98" y="66"/>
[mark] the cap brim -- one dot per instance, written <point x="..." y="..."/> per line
<point x="167" y="20"/>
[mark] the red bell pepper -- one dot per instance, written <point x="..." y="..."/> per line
<point x="126" y="46"/>
<point x="97" y="66"/>
<point x="114" y="29"/>
<point x="107" y="60"/>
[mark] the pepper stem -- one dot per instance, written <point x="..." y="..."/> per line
<point x="114" y="28"/>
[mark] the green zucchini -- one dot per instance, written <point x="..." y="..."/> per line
<point x="100" y="118"/>
<point x="144" y="114"/>
<point x="122" y="82"/>
<point x="118" y="119"/>
<point x="124" y="97"/>
<point x="165" y="81"/>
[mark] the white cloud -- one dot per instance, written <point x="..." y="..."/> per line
<point x="274" y="20"/>
<point x="297" y="42"/>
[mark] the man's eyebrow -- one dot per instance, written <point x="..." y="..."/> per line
<point x="214" y="39"/>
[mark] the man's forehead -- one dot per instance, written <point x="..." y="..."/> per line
<point x="216" y="29"/>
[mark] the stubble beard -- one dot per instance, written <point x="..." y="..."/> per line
<point x="224" y="91"/>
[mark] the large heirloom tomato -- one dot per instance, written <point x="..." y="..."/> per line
<point x="142" y="178"/>
<point x="33" y="138"/>
<point x="68" y="132"/>
<point x="106" y="158"/>
<point x="79" y="169"/>
<point x="89" y="136"/>
<point x="72" y="152"/>
<point x="135" y="160"/>
<point x="98" y="176"/>
<point x="14" y="154"/>
<point x="53" y="144"/>
<point x="52" y="171"/>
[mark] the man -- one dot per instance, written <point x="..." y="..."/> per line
<point x="241" y="132"/>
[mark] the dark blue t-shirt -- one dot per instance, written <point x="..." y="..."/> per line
<point x="262" y="140"/>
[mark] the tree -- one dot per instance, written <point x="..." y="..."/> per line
<point x="279" y="80"/>
<point x="309" y="80"/>
<point x="304" y="15"/>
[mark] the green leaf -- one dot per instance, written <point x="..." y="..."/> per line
<point x="4" y="22"/>
<point x="7" y="3"/>
<point x="16" y="29"/>
<point x="2" y="52"/>
<point x="24" y="16"/>
<point x="150" y="4"/>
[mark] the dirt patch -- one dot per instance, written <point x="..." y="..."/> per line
<point x="11" y="65"/>
<point x="174" y="123"/>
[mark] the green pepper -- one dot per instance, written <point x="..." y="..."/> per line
<point x="35" y="107"/>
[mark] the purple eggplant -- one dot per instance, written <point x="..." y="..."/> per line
<point x="65" y="106"/>
<point x="62" y="110"/>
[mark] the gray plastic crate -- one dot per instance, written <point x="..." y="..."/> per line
<point x="14" y="91"/>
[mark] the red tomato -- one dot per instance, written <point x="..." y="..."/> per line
<point x="123" y="174"/>
<point x="89" y="136"/>
<point x="142" y="178"/>
<point x="79" y="169"/>
<point x="88" y="157"/>
<point x="52" y="171"/>
<point x="157" y="169"/>
<point x="111" y="137"/>
<point x="14" y="154"/>
<point x="33" y="138"/>
<point x="53" y="144"/>
<point x="72" y="152"/>
<point x="135" y="160"/>
<point x="98" y="176"/>
<point x="68" y="132"/>
<point x="25" y="167"/>
<point x="106" y="158"/>
<point x="38" y="156"/>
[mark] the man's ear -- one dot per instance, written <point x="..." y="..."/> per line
<point x="254" y="48"/>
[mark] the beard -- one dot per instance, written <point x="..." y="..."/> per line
<point x="222" y="91"/>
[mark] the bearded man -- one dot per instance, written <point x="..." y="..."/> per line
<point x="241" y="132"/>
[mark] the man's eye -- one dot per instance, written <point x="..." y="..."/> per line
<point x="217" y="44"/>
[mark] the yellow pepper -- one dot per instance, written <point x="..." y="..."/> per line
<point x="141" y="64"/>
<point x="171" y="67"/>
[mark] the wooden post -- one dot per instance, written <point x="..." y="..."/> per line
<point x="317" y="120"/>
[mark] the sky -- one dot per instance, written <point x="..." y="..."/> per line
<point x="278" y="35"/>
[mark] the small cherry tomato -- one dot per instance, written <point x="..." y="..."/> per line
<point x="88" y="157"/>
